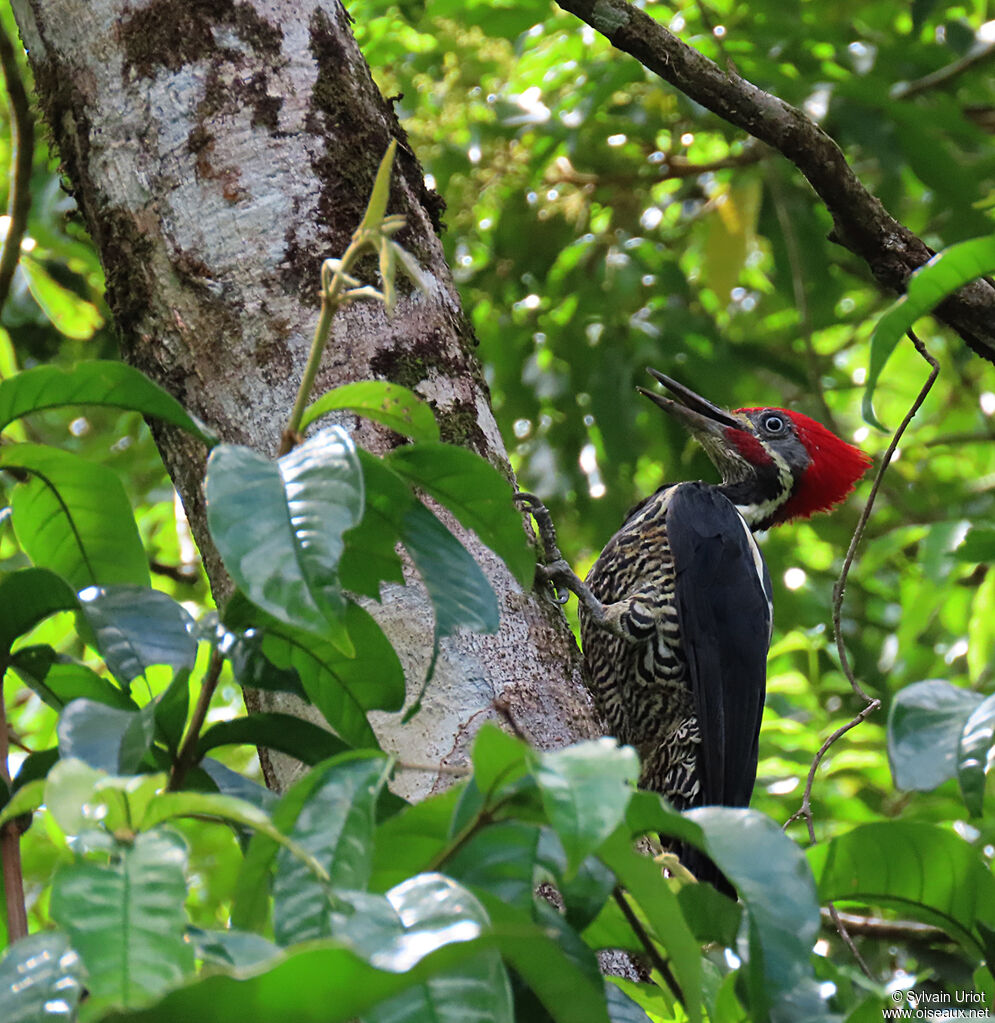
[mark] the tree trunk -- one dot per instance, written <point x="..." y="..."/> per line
<point x="219" y="151"/>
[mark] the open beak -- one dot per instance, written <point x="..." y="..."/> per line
<point x="695" y="413"/>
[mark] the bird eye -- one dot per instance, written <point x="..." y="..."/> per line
<point x="773" y="424"/>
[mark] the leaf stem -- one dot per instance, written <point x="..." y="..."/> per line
<point x="187" y="755"/>
<point x="652" y="952"/>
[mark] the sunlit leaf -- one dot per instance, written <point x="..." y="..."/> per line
<point x="27" y="598"/>
<point x="40" y="980"/>
<point x="73" y="517"/>
<point x="383" y="402"/>
<point x="72" y="316"/>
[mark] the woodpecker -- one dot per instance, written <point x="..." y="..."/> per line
<point x="676" y="613"/>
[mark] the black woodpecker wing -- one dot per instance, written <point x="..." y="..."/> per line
<point x="722" y="596"/>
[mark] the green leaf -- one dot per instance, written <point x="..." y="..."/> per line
<point x="925" y="871"/>
<point x="342" y="688"/>
<point x="774" y="881"/>
<point x="433" y="911"/>
<point x="475" y="492"/>
<point x="973" y="747"/>
<point x="335" y="825"/>
<point x="69" y="792"/>
<point x="60" y="681"/>
<point x="285" y="733"/>
<point x="978" y="545"/>
<point x="499" y="759"/>
<point x="29" y="597"/>
<point x="318" y="984"/>
<point x="135" y="627"/>
<point x="585" y="790"/>
<point x="279" y="526"/>
<point x="643" y="884"/>
<point x="73" y="517"/>
<point x="370" y="557"/>
<point x="925" y="724"/>
<point x="394" y="406"/>
<point x="170" y="712"/>
<point x="377" y="206"/>
<point x="101" y="382"/>
<point x="40" y="980"/>
<point x="233" y="949"/>
<point x="26" y="799"/>
<point x="253" y="670"/>
<point x="71" y="315"/>
<point x="105" y="738"/>
<point x="928" y="286"/>
<point x="460" y="593"/>
<point x="126" y="919"/>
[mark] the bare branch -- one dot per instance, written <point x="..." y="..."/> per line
<point x="861" y="223"/>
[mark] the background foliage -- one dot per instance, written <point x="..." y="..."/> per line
<point x="599" y="222"/>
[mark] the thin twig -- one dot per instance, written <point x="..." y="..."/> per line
<point x="652" y="952"/>
<point x="10" y="842"/>
<point x="22" y="140"/>
<point x="871" y="704"/>
<point x="187" y="755"/>
<point x="945" y="74"/>
<point x="887" y="930"/>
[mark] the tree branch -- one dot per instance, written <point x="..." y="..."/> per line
<point x="861" y="223"/>
<point x="22" y="134"/>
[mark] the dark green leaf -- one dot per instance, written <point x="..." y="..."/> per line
<point x="928" y="286"/>
<point x="621" y="1007"/>
<point x="978" y="545"/>
<point x="126" y="919"/>
<point x="335" y="824"/>
<point x="282" y="732"/>
<point x="460" y="593"/>
<point x="475" y="492"/>
<point x="585" y="789"/>
<point x="709" y="914"/>
<point x="279" y="526"/>
<point x="29" y="597"/>
<point x="93" y="383"/>
<point x="171" y="707"/>
<point x="40" y="980"/>
<point x="231" y="783"/>
<point x="394" y="406"/>
<point x="35" y="766"/>
<point x="343" y="688"/>
<point x="135" y="627"/>
<point x="924" y="729"/>
<point x="319" y="984"/>
<point x="929" y="872"/>
<point x="370" y="557"/>
<point x="972" y="755"/>
<point x="253" y="670"/>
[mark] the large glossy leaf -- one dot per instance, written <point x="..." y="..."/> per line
<point x="394" y="406"/>
<point x="104" y="737"/>
<point x="433" y="911"/>
<point x="135" y="627"/>
<point x="40" y="980"/>
<point x="343" y="688"/>
<point x="585" y="789"/>
<point x="73" y="517"/>
<point x="475" y="492"/>
<point x="279" y="526"/>
<point x="126" y="919"/>
<point x="282" y="732"/>
<point x="927" y="872"/>
<point x="927" y="287"/>
<point x="238" y="949"/>
<point x="29" y="597"/>
<point x="335" y="825"/>
<point x="925" y="725"/>
<point x="321" y="983"/>
<point x="100" y="382"/>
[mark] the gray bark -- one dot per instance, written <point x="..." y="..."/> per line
<point x="219" y="151"/>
